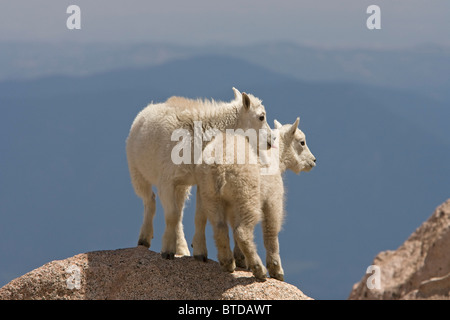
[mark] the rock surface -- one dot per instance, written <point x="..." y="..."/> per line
<point x="138" y="273"/>
<point x="419" y="268"/>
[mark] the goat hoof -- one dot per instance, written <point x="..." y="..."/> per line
<point x="278" y="276"/>
<point x="241" y="263"/>
<point x="144" y="243"/>
<point x="183" y="252"/>
<point x="275" y="270"/>
<point x="259" y="272"/>
<point x="240" y="259"/>
<point x="201" y="257"/>
<point x="168" y="255"/>
<point x="228" y="266"/>
<point x="260" y="278"/>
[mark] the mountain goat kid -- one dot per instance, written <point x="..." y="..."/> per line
<point x="150" y="146"/>
<point x="241" y="196"/>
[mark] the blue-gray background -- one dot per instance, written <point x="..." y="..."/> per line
<point x="374" y="106"/>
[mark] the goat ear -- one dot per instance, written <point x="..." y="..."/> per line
<point x="276" y="124"/>
<point x="245" y="101"/>
<point x="237" y="93"/>
<point x="294" y="126"/>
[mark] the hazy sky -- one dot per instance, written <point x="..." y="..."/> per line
<point x="324" y="23"/>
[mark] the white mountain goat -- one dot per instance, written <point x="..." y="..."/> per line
<point x="151" y="147"/>
<point x="242" y="196"/>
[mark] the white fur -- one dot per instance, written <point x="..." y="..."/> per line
<point x="149" y="148"/>
<point x="241" y="196"/>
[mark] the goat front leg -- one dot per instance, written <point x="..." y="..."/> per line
<point x="239" y="256"/>
<point x="216" y="215"/>
<point x="271" y="226"/>
<point x="243" y="234"/>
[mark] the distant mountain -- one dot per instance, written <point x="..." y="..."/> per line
<point x="192" y="77"/>
<point x="382" y="162"/>
<point x="424" y="69"/>
<point x="418" y="269"/>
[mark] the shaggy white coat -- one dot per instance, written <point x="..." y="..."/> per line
<point x="149" y="149"/>
<point x="240" y="196"/>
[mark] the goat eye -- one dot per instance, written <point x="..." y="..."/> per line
<point x="302" y="143"/>
<point x="261" y="118"/>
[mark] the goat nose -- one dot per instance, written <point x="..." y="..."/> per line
<point x="314" y="159"/>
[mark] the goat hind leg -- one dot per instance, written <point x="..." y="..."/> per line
<point x="146" y="232"/>
<point x="243" y="234"/>
<point x="218" y="221"/>
<point x="182" y="249"/>
<point x="239" y="256"/>
<point x="172" y="199"/>
<point x="199" y="241"/>
<point x="144" y="190"/>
